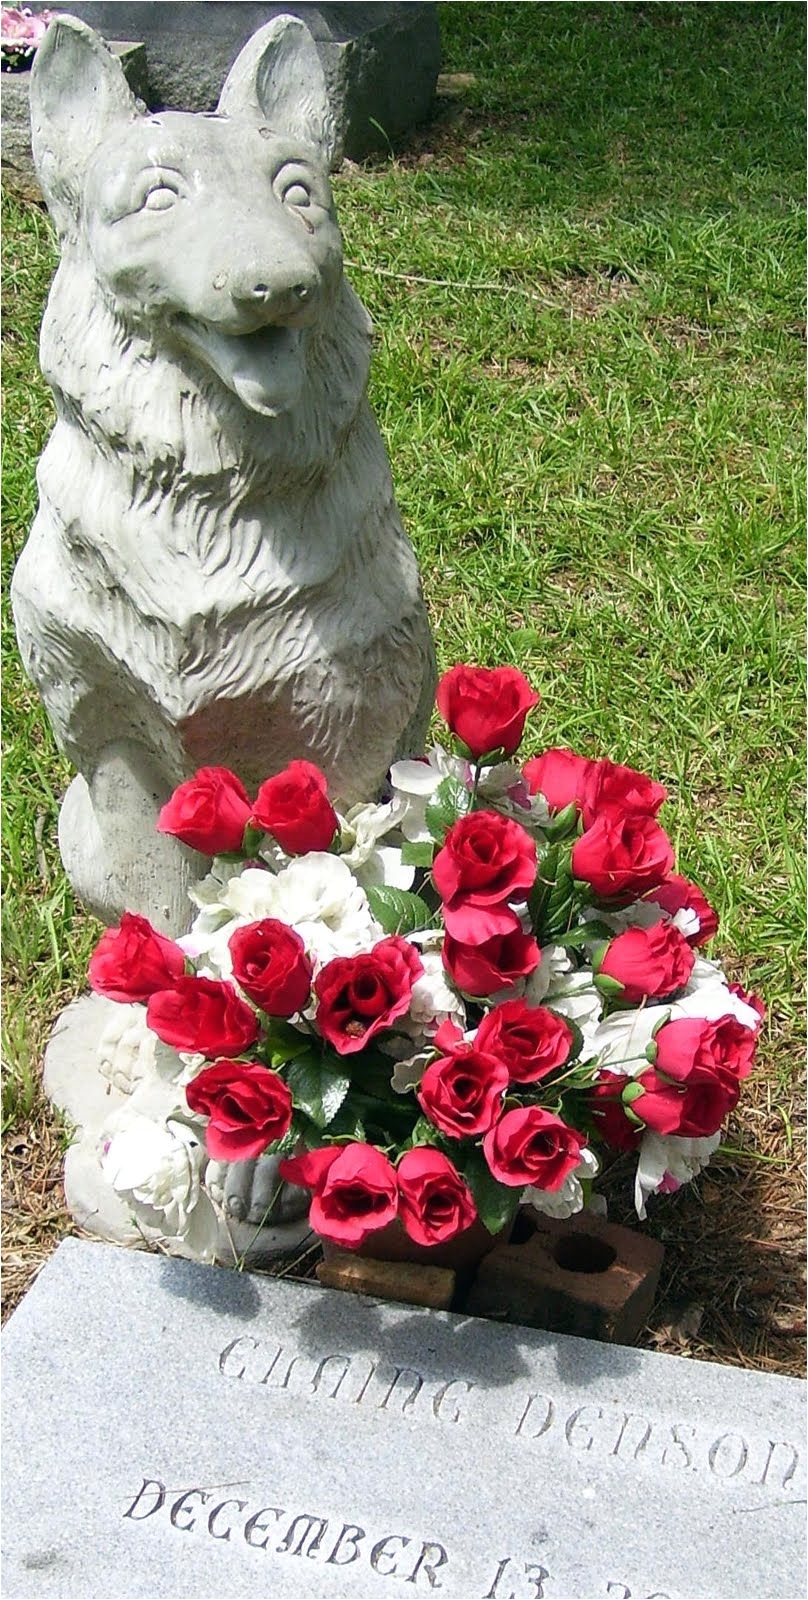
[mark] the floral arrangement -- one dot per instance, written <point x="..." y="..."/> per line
<point x="20" y="34"/>
<point x="434" y="1006"/>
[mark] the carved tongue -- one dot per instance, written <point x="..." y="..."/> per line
<point x="265" y="369"/>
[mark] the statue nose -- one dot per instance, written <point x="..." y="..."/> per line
<point x="265" y="292"/>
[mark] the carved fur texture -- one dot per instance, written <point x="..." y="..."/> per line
<point x="218" y="572"/>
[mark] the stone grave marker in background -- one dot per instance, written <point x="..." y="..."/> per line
<point x="381" y="61"/>
<point x="173" y="1429"/>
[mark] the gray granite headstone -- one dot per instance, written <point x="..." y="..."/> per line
<point x="381" y="61"/>
<point x="176" y="1430"/>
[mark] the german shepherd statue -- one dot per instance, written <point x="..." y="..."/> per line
<point x="217" y="573"/>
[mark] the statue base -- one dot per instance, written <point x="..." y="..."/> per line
<point x="91" y="1100"/>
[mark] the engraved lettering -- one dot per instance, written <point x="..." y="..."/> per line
<point x="612" y="1588"/>
<point x="536" y="1575"/>
<point x="181" y="1506"/>
<point x="436" y="1559"/>
<point x="441" y="1396"/>
<point x="353" y="1536"/>
<point x="775" y="1445"/>
<point x="345" y="1362"/>
<point x="415" y="1388"/>
<point x="380" y="1552"/>
<point x="148" y="1484"/>
<point x="241" y="1505"/>
<point x="546" y="1422"/>
<point x="573" y="1422"/>
<point x="230" y="1349"/>
<point x="628" y="1418"/>
<point x="254" y="1526"/>
<point x="505" y="1562"/>
<point x="285" y="1546"/>
<point x="715" y="1456"/>
<point x="680" y="1456"/>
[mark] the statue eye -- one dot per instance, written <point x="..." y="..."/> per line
<point x="160" y="198"/>
<point x="297" y="195"/>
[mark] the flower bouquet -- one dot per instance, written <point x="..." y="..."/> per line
<point x="21" y="32"/>
<point x="432" y="1007"/>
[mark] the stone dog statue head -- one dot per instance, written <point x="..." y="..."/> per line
<point x="219" y="231"/>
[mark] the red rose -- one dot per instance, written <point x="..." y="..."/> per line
<point x="485" y="859"/>
<point x="271" y="966"/>
<point x="691" y="1108"/>
<point x="493" y="963"/>
<point x="530" y="1041"/>
<point x="605" y="1100"/>
<point x="678" y="894"/>
<point x="462" y="1093"/>
<point x="622" y="857"/>
<point x="650" y="963"/>
<point x="725" y="1048"/>
<point x="133" y="961"/>
<point x="615" y="790"/>
<point x="360" y="995"/>
<point x="209" y="812"/>
<point x="294" y="807"/>
<point x="249" y="1108"/>
<point x="532" y="1146"/>
<point x="202" y="1014"/>
<point x="434" y="1202"/>
<point x="486" y="707"/>
<point x="560" y="775"/>
<point x="355" y="1190"/>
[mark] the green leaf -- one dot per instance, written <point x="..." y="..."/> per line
<point x="559" y="899"/>
<point x="425" y="1132"/>
<point x="317" y="1089"/>
<point x="417" y="853"/>
<point x="543" y="887"/>
<point x="587" y="933"/>
<point x="398" y="910"/>
<point x="450" y="801"/>
<point x="284" y="1044"/>
<point x="347" y="1126"/>
<point x="563" y="825"/>
<point x="496" y="1203"/>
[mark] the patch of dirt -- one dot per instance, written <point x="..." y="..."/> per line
<point x="34" y="1215"/>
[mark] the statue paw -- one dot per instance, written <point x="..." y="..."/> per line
<point x="253" y="1191"/>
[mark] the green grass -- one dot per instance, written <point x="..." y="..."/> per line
<point x="599" y="459"/>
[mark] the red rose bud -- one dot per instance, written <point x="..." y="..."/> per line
<point x="204" y="1015"/>
<point x="678" y="894"/>
<point x="133" y="961"/>
<point x="485" y="967"/>
<point x="560" y="775"/>
<point x="530" y="1146"/>
<point x="725" y="1048"/>
<point x="608" y="1110"/>
<point x="485" y="859"/>
<point x="610" y="789"/>
<point x="486" y="707"/>
<point x="360" y="995"/>
<point x="691" y="1109"/>
<point x="530" y="1041"/>
<point x="210" y="812"/>
<point x="622" y="857"/>
<point x="249" y="1108"/>
<point x="462" y="1093"/>
<point x="647" y="963"/>
<point x="434" y="1202"/>
<point x="271" y="966"/>
<point x="294" y="807"/>
<point x="355" y="1191"/>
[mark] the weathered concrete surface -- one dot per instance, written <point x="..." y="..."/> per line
<point x="176" y="1430"/>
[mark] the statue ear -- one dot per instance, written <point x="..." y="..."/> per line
<point x="278" y="79"/>
<point x="78" y="93"/>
